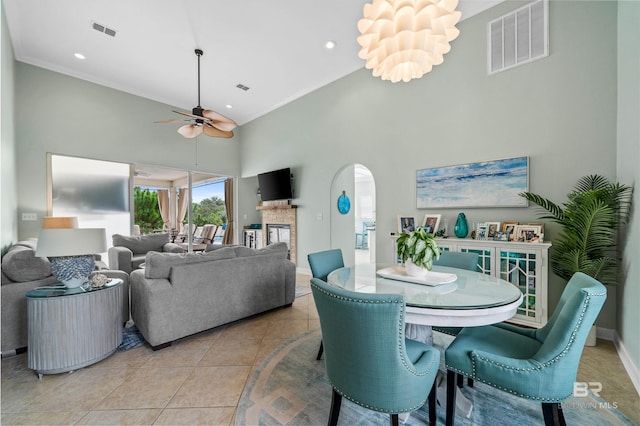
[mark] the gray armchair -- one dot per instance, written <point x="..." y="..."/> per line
<point x="128" y="253"/>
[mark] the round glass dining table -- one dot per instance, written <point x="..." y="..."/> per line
<point x="449" y="297"/>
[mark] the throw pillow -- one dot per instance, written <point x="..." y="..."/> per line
<point x="20" y="264"/>
<point x="281" y="248"/>
<point x="158" y="265"/>
<point x="242" y="251"/>
<point x="141" y="244"/>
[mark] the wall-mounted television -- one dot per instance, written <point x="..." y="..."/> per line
<point x="275" y="185"/>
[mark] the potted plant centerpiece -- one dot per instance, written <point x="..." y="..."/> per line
<point x="417" y="250"/>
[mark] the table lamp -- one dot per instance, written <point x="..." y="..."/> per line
<point x="49" y="222"/>
<point x="70" y="251"/>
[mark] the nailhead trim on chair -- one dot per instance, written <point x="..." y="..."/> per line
<point x="548" y="363"/>
<point x="400" y="342"/>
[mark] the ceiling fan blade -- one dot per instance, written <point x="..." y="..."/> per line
<point x="188" y="114"/>
<point x="216" y="133"/>
<point x="219" y="121"/>
<point x="172" y="120"/>
<point x="190" y="130"/>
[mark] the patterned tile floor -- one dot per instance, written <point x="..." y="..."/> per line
<point x="199" y="379"/>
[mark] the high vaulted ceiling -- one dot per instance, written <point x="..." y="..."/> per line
<point x="273" y="47"/>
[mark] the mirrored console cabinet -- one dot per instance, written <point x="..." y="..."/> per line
<point x="525" y="265"/>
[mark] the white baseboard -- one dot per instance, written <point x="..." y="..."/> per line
<point x="632" y="369"/>
<point x="605" y="333"/>
<point x="627" y="362"/>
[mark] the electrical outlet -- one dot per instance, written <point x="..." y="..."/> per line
<point x="32" y="217"/>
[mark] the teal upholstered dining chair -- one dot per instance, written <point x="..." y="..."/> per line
<point x="538" y="364"/>
<point x="367" y="358"/>
<point x="460" y="260"/>
<point x="322" y="263"/>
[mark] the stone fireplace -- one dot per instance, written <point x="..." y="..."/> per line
<point x="279" y="224"/>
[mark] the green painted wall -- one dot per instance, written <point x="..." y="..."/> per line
<point x="628" y="315"/>
<point x="8" y="202"/>
<point x="560" y="111"/>
<point x="63" y="115"/>
<point x="567" y="112"/>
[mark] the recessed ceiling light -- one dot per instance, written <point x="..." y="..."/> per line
<point x="79" y="56"/>
<point x="330" y="44"/>
<point x="229" y="106"/>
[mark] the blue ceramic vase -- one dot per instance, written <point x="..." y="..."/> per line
<point x="461" y="228"/>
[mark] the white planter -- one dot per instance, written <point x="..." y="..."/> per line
<point x="591" y="338"/>
<point x="415" y="271"/>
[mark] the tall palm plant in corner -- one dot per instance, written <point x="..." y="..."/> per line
<point x="594" y="211"/>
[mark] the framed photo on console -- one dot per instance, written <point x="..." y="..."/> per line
<point x="510" y="227"/>
<point x="529" y="234"/>
<point x="493" y="228"/>
<point x="431" y="222"/>
<point x="482" y="231"/>
<point x="406" y="223"/>
<point x="501" y="236"/>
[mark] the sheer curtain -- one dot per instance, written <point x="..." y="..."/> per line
<point x="165" y="209"/>
<point x="228" y="204"/>
<point x="183" y="203"/>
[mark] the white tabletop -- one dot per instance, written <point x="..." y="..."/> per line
<point x="473" y="299"/>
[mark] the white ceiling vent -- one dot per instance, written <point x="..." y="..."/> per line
<point x="101" y="28"/>
<point x="519" y="37"/>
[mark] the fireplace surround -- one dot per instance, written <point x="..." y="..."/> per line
<point x="278" y="223"/>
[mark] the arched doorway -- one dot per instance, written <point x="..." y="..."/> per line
<point x="354" y="231"/>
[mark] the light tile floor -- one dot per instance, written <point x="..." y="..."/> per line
<point x="199" y="379"/>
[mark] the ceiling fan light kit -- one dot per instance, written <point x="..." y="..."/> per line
<point x="205" y="121"/>
<point x="404" y="39"/>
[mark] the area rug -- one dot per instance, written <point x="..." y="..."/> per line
<point x="131" y="338"/>
<point x="290" y="388"/>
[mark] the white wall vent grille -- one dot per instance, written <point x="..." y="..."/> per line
<point x="519" y="37"/>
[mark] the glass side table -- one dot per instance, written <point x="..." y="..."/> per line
<point x="73" y="328"/>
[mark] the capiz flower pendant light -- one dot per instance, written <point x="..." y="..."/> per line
<point x="404" y="39"/>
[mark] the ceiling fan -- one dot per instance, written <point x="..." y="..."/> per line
<point x="204" y="121"/>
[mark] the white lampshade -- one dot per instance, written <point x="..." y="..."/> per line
<point x="404" y="39"/>
<point x="58" y="242"/>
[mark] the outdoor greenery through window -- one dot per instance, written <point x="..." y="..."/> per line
<point x="208" y="207"/>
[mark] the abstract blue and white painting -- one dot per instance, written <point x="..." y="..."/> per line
<point x="494" y="183"/>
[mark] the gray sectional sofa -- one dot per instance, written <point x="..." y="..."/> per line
<point x="23" y="271"/>
<point x="177" y="295"/>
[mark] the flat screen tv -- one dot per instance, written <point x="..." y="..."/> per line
<point x="275" y="185"/>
